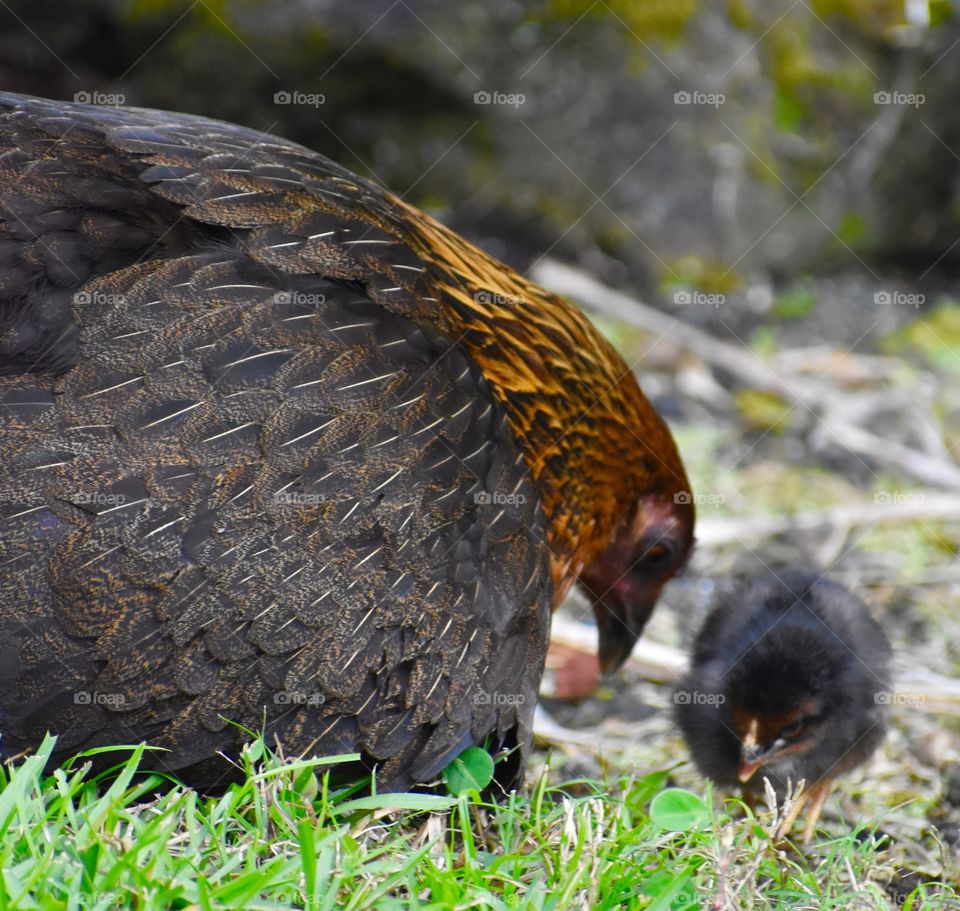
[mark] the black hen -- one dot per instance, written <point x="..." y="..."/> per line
<point x="788" y="681"/>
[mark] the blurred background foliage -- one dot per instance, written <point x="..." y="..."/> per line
<point x="797" y="170"/>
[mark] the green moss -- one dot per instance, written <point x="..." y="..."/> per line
<point x="941" y="11"/>
<point x="693" y="271"/>
<point x="804" y="80"/>
<point x="659" y="20"/>
<point x="852" y="229"/>
<point x="763" y="342"/>
<point x="875" y="17"/>
<point x="778" y="487"/>
<point x="936" y="335"/>
<point x="795" y="304"/>
<point x="916" y="546"/>
<point x="788" y="111"/>
<point x="739" y="14"/>
<point x="763" y="410"/>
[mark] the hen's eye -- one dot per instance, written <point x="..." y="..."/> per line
<point x="656" y="556"/>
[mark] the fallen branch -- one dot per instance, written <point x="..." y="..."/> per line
<point x="736" y="359"/>
<point x="926" y="468"/>
<point x="915" y="506"/>
<point x="743" y="363"/>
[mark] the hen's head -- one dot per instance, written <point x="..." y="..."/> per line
<point x="625" y="580"/>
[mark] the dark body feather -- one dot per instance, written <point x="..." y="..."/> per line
<point x="234" y="492"/>
<point x="279" y="451"/>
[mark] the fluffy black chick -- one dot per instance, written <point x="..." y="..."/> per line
<point x="789" y="680"/>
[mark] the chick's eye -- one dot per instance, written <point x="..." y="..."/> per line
<point x="792" y="729"/>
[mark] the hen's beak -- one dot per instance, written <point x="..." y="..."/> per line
<point x="615" y="648"/>
<point x="618" y="632"/>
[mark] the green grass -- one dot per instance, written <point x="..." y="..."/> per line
<point x="284" y="838"/>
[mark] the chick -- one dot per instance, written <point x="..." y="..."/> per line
<point x="789" y="680"/>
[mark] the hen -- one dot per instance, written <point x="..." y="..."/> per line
<point x="788" y="681"/>
<point x="281" y="452"/>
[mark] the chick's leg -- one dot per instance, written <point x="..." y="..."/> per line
<point x="818" y="796"/>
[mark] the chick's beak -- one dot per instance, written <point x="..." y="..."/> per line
<point x="752" y="753"/>
<point x="751" y="758"/>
